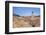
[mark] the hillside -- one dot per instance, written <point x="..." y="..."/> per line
<point x="26" y="21"/>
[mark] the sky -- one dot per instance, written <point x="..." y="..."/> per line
<point x="26" y="11"/>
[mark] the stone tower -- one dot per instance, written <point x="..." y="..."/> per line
<point x="32" y="16"/>
<point x="33" y="19"/>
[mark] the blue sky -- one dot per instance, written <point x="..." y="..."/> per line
<point x="26" y="11"/>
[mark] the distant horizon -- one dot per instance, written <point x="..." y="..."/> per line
<point x="26" y="16"/>
<point x="26" y="11"/>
